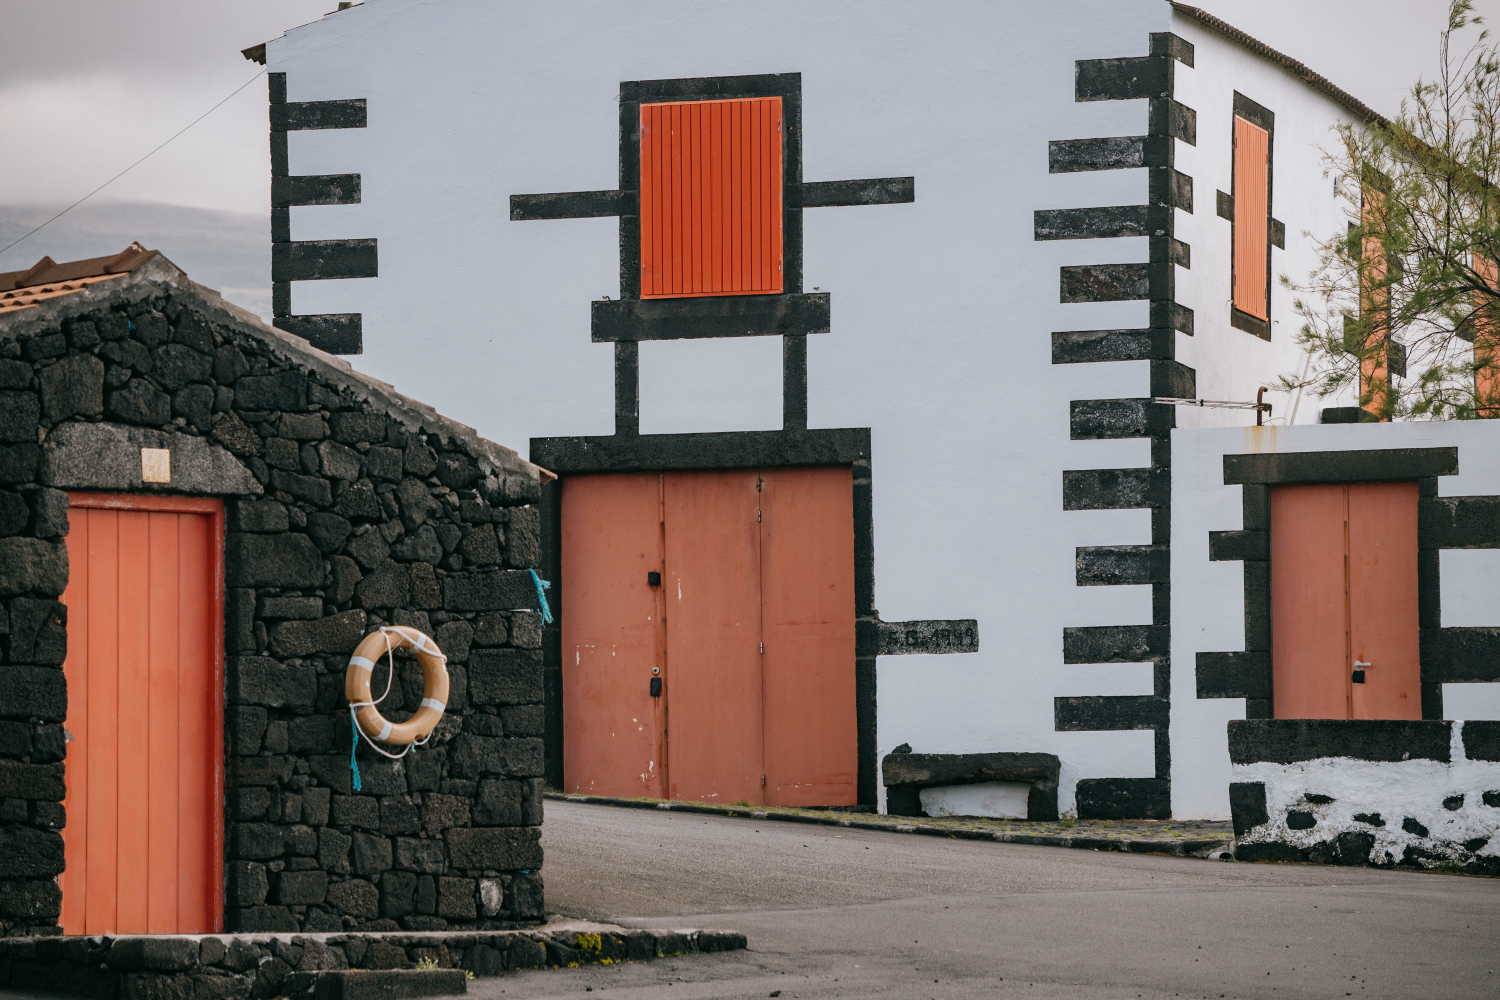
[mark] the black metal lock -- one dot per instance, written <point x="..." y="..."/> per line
<point x="1358" y="677"/>
<point x="653" y="578"/>
<point x="656" y="687"/>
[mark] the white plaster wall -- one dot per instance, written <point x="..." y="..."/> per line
<point x="1231" y="363"/>
<point x="1208" y="597"/>
<point x="942" y="309"/>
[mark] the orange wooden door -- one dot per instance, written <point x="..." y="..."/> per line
<point x="1343" y="594"/>
<point x="715" y="739"/>
<point x="143" y="844"/>
<point x="711" y="198"/>
<point x="1383" y="601"/>
<point x="611" y="635"/>
<point x="1252" y="180"/>
<point x="807" y="595"/>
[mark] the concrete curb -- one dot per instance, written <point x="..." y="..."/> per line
<point x="1088" y="839"/>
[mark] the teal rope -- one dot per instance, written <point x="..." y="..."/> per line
<point x="542" y="585"/>
<point x="352" y="765"/>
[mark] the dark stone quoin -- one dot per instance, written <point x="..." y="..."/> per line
<point x="347" y="506"/>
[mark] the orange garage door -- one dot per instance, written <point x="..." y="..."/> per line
<point x="143" y="841"/>
<point x="731" y="678"/>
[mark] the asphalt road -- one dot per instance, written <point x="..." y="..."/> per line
<point x="836" y="912"/>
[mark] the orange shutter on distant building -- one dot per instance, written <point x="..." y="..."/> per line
<point x="1486" y="341"/>
<point x="1252" y="183"/>
<point x="711" y="198"/>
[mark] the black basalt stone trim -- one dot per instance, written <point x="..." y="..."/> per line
<point x="1168" y="118"/>
<point x="710" y="87"/>
<point x="1087" y="346"/>
<point x="1171" y="316"/>
<point x="1114" y="489"/>
<point x="1173" y="380"/>
<point x="1289" y="741"/>
<point x="1124" y="798"/>
<point x="1379" y="465"/>
<point x="1253" y="325"/>
<point x="1109" y="713"/>
<point x="1458" y="522"/>
<point x="336" y="333"/>
<point x="794" y="382"/>
<point x="1121" y="565"/>
<point x="1347" y="415"/>
<point x="727" y="450"/>
<point x="1164" y="43"/>
<point x="1224" y="205"/>
<point x="1115" y="644"/>
<point x="1095" y="419"/>
<point x="1125" y="79"/>
<point x="1247" y="805"/>
<point x="1482" y="739"/>
<point x="955" y="635"/>
<point x="1258" y="114"/>
<point x="711" y="316"/>
<point x="1096" y="223"/>
<point x="871" y="191"/>
<point x="572" y="205"/>
<point x="1105" y="283"/>
<point x="302" y="115"/>
<point x="1232" y="545"/>
<point x="1460" y="655"/>
<point x="1169" y="187"/>
<point x="906" y="774"/>
<point x="1066" y="156"/>
<point x="315" y="189"/>
<point x="550" y="510"/>
<point x="308" y="260"/>
<point x="627" y="388"/>
<point x="1234" y="675"/>
<point x="1276" y="233"/>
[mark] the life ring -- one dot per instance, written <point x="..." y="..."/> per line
<point x="386" y="641"/>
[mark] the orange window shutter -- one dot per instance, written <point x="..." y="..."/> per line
<point x="1252" y="183"/>
<point x="711" y="185"/>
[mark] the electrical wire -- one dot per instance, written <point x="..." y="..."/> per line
<point x="137" y="163"/>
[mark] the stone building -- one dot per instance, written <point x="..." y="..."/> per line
<point x="200" y="517"/>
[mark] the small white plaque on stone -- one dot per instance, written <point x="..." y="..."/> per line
<point x="156" y="465"/>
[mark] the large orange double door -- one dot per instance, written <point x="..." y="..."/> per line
<point x="708" y="636"/>
<point x="1344" y="626"/>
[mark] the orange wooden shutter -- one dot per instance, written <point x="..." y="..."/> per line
<point x="143" y="845"/>
<point x="711" y="198"/>
<point x="1252" y="183"/>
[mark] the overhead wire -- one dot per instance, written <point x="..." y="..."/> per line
<point x="137" y="163"/>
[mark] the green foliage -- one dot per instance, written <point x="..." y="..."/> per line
<point x="1418" y="262"/>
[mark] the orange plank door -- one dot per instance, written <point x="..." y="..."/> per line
<point x="611" y="635"/>
<point x="1383" y="601"/>
<point x="1252" y="178"/>
<point x="143" y="843"/>
<point x="712" y="591"/>
<point x="1309" y="641"/>
<point x="807" y="588"/>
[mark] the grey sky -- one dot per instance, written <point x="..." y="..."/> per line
<point x="88" y="86"/>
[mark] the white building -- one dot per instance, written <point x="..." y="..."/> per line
<point x="974" y="340"/>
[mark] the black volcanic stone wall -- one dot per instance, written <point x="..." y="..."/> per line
<point x="365" y="520"/>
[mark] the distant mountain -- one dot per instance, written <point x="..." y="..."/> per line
<point x="227" y="251"/>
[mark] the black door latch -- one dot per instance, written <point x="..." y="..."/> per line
<point x="656" y="687"/>
<point x="653" y="579"/>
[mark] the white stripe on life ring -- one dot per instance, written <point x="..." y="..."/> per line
<point x="361" y="663"/>
<point x="433" y="703"/>
<point x="386" y="731"/>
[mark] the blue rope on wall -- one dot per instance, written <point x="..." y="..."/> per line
<point x="542" y="585"/>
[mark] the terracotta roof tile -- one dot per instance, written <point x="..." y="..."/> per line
<point x="48" y="279"/>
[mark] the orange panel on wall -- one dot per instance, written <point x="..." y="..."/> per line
<point x="143" y="843"/>
<point x="1252" y="192"/>
<point x="611" y="635"/>
<point x="711" y="198"/>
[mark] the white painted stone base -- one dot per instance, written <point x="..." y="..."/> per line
<point x="991" y="799"/>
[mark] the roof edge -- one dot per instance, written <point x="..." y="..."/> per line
<point x="1298" y="69"/>
<point x="158" y="273"/>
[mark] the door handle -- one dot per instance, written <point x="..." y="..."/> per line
<point x="1358" y="676"/>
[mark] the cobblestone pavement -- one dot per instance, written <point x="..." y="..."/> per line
<point x="1197" y="838"/>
